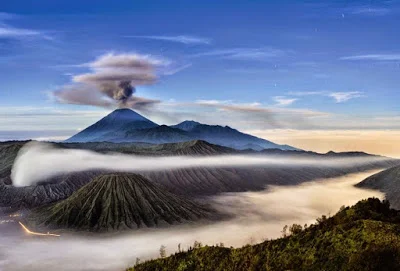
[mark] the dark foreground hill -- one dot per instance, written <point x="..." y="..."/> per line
<point x="388" y="182"/>
<point x="118" y="202"/>
<point x="364" y="237"/>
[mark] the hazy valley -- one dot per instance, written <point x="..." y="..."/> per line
<point x="139" y="196"/>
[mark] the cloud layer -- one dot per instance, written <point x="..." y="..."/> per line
<point x="257" y="54"/>
<point x="376" y="57"/>
<point x="339" y="97"/>
<point x="40" y="161"/>
<point x="179" y="39"/>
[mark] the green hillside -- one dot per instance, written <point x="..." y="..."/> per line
<point x="363" y="237"/>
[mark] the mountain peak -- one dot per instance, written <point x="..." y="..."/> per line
<point x="112" y="122"/>
<point x="187" y="125"/>
<point x="123" y="114"/>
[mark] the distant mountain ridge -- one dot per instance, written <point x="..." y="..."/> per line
<point x="125" y="125"/>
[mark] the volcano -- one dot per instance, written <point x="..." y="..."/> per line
<point x="113" y="202"/>
<point x="125" y="125"/>
<point x="113" y="125"/>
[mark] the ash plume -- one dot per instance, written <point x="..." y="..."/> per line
<point x="112" y="81"/>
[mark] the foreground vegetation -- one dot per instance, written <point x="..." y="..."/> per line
<point x="363" y="237"/>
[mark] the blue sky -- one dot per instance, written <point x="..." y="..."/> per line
<point x="309" y="65"/>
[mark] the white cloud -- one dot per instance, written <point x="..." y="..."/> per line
<point x="245" y="53"/>
<point x="341" y="97"/>
<point x="180" y="39"/>
<point x="8" y="31"/>
<point x="283" y="101"/>
<point x="213" y="102"/>
<point x="173" y="71"/>
<point x="11" y="32"/>
<point x="376" y="57"/>
<point x="370" y="11"/>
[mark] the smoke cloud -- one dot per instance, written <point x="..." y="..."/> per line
<point x="112" y="81"/>
<point x="39" y="161"/>
<point x="263" y="215"/>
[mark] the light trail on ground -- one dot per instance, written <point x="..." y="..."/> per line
<point x="37" y="233"/>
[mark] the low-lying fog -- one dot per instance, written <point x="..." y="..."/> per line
<point x="259" y="215"/>
<point x="40" y="161"/>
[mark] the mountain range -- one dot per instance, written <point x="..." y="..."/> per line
<point x="125" y="125"/>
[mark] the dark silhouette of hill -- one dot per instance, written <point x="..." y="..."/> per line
<point x="388" y="182"/>
<point x="117" y="202"/>
<point x="362" y="237"/>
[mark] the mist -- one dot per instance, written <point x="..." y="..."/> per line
<point x="37" y="162"/>
<point x="262" y="215"/>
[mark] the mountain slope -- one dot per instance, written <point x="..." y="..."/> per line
<point x="119" y="201"/>
<point x="8" y="152"/>
<point x="154" y="135"/>
<point x="186" y="125"/>
<point x="226" y="136"/>
<point x="116" y="122"/>
<point x="362" y="237"/>
<point x="388" y="182"/>
<point x="125" y="125"/>
<point x="55" y="189"/>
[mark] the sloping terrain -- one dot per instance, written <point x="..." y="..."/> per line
<point x="155" y="135"/>
<point x="55" y="189"/>
<point x="362" y="237"/>
<point x="226" y="136"/>
<point x="117" y="202"/>
<point x="8" y="153"/>
<point x="211" y="181"/>
<point x="388" y="182"/>
<point x="194" y="147"/>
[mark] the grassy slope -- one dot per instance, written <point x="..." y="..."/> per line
<point x="363" y="237"/>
